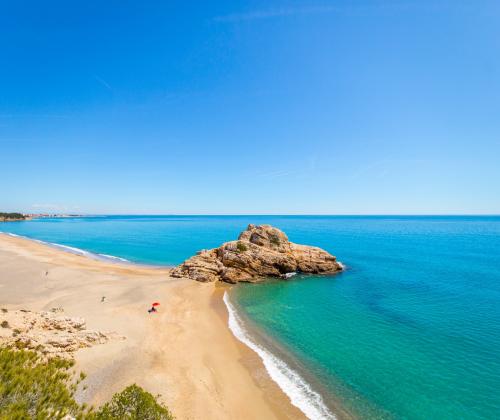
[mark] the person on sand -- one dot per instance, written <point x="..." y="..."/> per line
<point x="153" y="307"/>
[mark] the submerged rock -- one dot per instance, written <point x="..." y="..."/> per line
<point x="260" y="251"/>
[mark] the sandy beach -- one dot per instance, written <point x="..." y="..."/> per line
<point x="185" y="352"/>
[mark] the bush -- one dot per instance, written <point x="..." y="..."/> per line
<point x="133" y="403"/>
<point x="34" y="388"/>
<point x="241" y="247"/>
<point x="5" y="324"/>
<point x="275" y="240"/>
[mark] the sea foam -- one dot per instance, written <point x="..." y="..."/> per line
<point x="294" y="386"/>
<point x="79" y="251"/>
<point x="11" y="234"/>
<point x="71" y="249"/>
<point x="112" y="257"/>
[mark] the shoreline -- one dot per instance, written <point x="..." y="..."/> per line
<point x="290" y="379"/>
<point x="88" y="254"/>
<point x="186" y="352"/>
<point x="300" y="382"/>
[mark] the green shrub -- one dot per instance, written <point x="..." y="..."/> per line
<point x="241" y="247"/>
<point x="32" y="387"/>
<point x="5" y="324"/>
<point x="275" y="240"/>
<point x="133" y="403"/>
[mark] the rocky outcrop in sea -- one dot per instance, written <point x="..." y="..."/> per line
<point x="260" y="252"/>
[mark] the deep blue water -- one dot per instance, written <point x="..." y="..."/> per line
<point x="410" y="330"/>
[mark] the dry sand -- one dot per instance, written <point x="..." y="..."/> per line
<point x="185" y="352"/>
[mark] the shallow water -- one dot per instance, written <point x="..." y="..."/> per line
<point x="410" y="330"/>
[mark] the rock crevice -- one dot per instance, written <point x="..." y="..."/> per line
<point x="260" y="251"/>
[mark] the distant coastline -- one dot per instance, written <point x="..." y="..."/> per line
<point x="51" y="216"/>
<point x="20" y="217"/>
<point x="12" y="217"/>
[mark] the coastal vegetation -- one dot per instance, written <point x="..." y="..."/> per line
<point x="5" y="217"/>
<point x="274" y="239"/>
<point x="133" y="403"/>
<point x="241" y="247"/>
<point x="33" y="387"/>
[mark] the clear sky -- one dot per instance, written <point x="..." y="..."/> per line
<point x="230" y="107"/>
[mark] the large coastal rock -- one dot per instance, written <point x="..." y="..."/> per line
<point x="260" y="251"/>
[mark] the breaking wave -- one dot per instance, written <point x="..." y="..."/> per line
<point x="112" y="257"/>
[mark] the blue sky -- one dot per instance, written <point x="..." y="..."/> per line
<point x="231" y="107"/>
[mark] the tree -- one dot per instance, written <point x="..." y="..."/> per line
<point x="12" y="216"/>
<point x="133" y="403"/>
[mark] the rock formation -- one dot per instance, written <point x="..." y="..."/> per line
<point x="260" y="251"/>
<point x="50" y="332"/>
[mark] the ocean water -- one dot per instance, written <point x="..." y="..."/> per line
<point x="410" y="330"/>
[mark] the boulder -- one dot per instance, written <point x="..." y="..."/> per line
<point x="260" y="252"/>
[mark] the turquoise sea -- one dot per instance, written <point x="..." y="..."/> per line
<point x="410" y="330"/>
